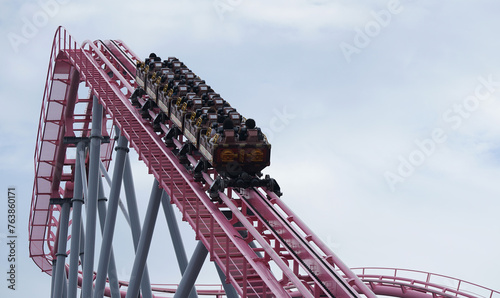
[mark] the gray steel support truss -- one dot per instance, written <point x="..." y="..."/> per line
<point x="111" y="270"/>
<point x="76" y="225"/>
<point x="60" y="273"/>
<point x="175" y="234"/>
<point x="192" y="271"/>
<point x="92" y="193"/>
<point x="135" y="222"/>
<point x="228" y="288"/>
<point x="93" y="187"/>
<point x="105" y="259"/>
<point x="144" y="241"/>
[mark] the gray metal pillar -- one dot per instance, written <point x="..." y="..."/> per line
<point x="65" y="284"/>
<point x="76" y="225"/>
<point x="175" y="234"/>
<point x="82" y="245"/>
<point x="52" y="280"/>
<point x="90" y="229"/>
<point x="83" y="173"/>
<point x="135" y="222"/>
<point x="228" y="288"/>
<point x="120" y="203"/>
<point x="144" y="242"/>
<point x="110" y="222"/>
<point x="173" y="227"/>
<point x="112" y="274"/>
<point x="61" y="250"/>
<point x="192" y="271"/>
<point x="133" y="211"/>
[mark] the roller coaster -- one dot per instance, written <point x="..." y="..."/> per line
<point x="259" y="246"/>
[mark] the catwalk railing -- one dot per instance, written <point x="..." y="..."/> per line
<point x="52" y="163"/>
<point x="398" y="282"/>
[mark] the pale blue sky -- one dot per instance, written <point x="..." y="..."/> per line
<point x="338" y="121"/>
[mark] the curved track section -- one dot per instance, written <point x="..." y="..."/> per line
<point x="413" y="283"/>
<point x="262" y="248"/>
<point x="53" y="161"/>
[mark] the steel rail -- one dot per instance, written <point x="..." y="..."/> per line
<point x="394" y="280"/>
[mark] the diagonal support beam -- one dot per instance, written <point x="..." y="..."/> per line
<point x="77" y="202"/>
<point x="60" y="279"/>
<point x="135" y="223"/>
<point x="145" y="241"/>
<point x="120" y="203"/>
<point x="175" y="234"/>
<point x="228" y="288"/>
<point x="111" y="271"/>
<point x="192" y="271"/>
<point x="110" y="221"/>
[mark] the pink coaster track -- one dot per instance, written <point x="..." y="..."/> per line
<point x="263" y="249"/>
<point x="414" y="283"/>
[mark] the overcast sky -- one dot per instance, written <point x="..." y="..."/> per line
<point x="383" y="116"/>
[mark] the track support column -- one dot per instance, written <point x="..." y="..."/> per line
<point x="110" y="221"/>
<point x="53" y="278"/>
<point x="59" y="275"/>
<point x="93" y="187"/>
<point x="144" y="242"/>
<point x="228" y="288"/>
<point x="111" y="271"/>
<point x="76" y="224"/>
<point x="192" y="271"/>
<point x="135" y="222"/>
<point x="175" y="234"/>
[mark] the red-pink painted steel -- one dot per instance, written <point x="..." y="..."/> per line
<point x="415" y="283"/>
<point x="43" y="221"/>
<point x="306" y="267"/>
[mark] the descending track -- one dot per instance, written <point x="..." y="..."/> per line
<point x="260" y="246"/>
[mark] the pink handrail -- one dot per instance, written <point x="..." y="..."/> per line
<point x="429" y="281"/>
